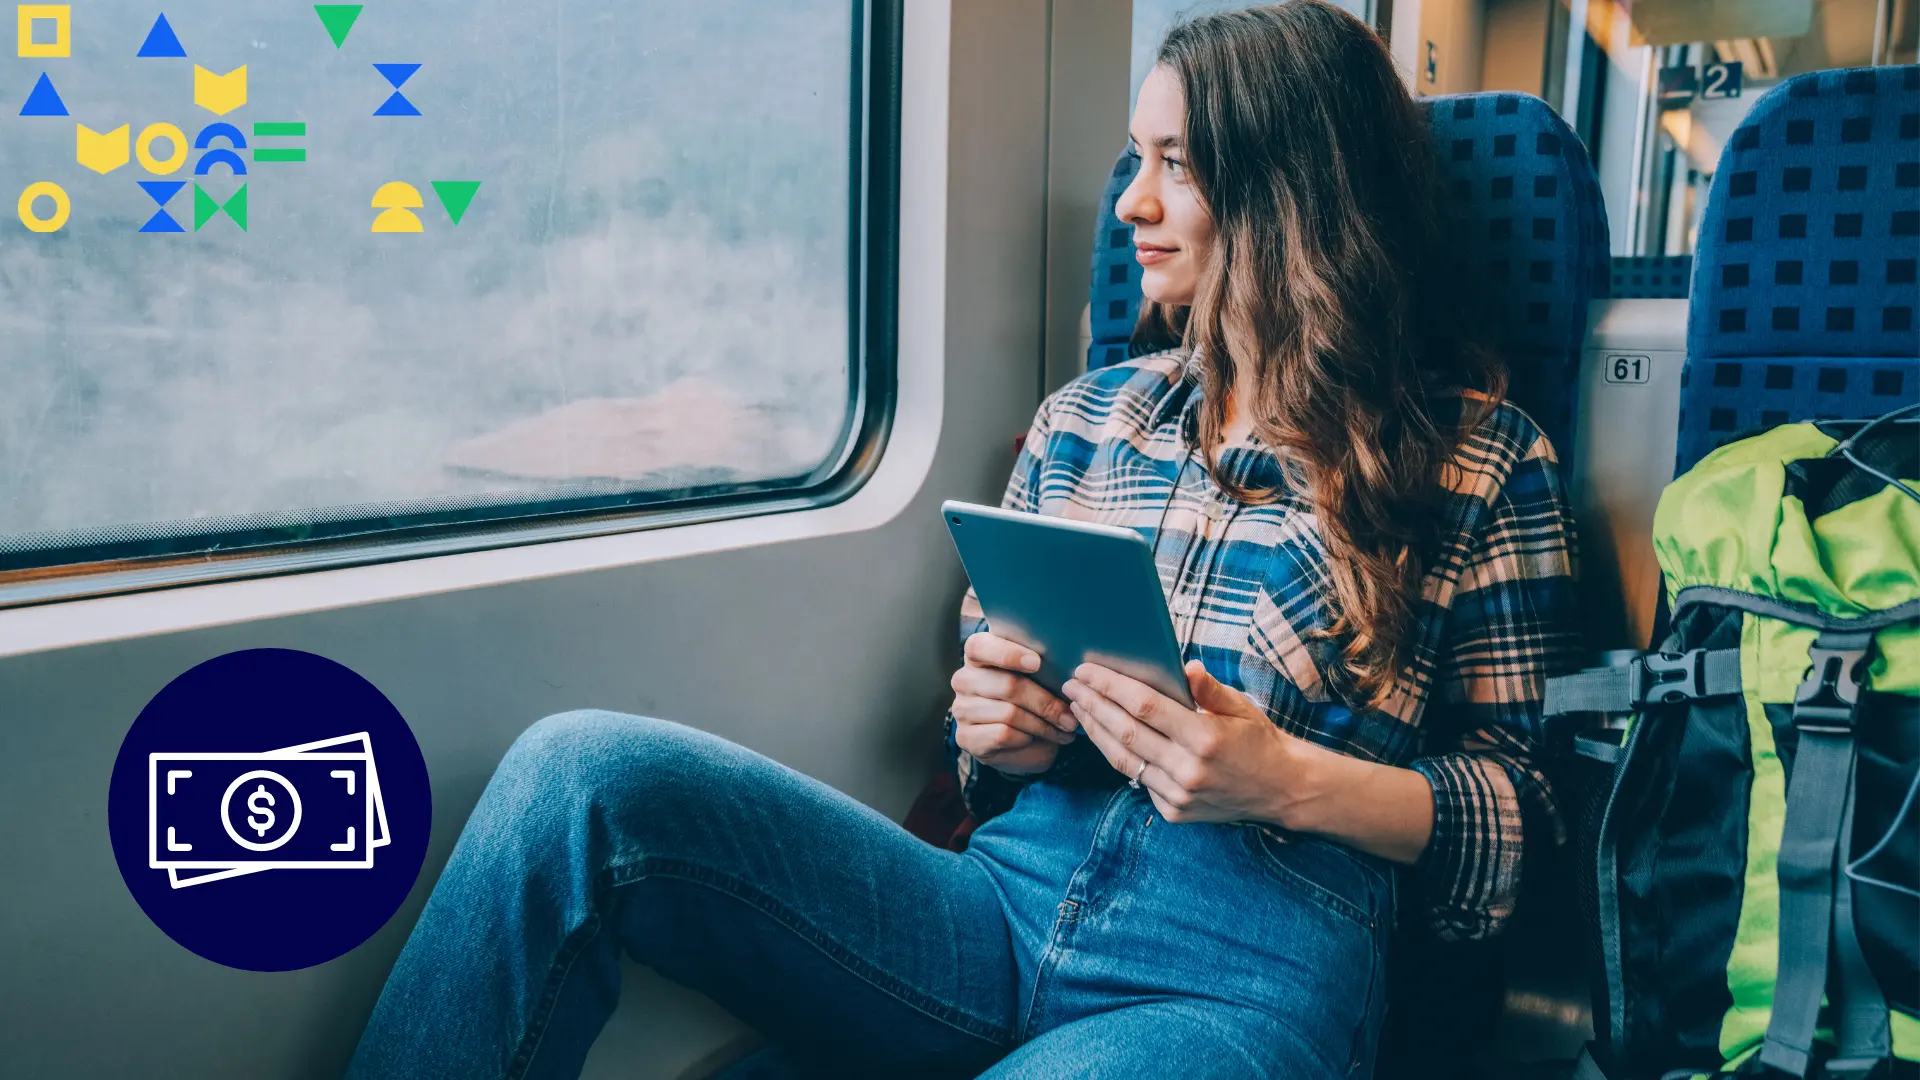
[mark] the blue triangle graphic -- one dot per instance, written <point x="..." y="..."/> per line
<point x="397" y="106"/>
<point x="162" y="191"/>
<point x="162" y="41"/>
<point x="397" y="74"/>
<point x="44" y="101"/>
<point x="162" y="222"/>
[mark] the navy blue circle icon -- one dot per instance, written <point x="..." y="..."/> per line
<point x="269" y="809"/>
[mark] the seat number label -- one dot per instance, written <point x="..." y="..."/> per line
<point x="1628" y="368"/>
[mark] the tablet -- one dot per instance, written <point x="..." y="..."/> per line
<point x="1072" y="592"/>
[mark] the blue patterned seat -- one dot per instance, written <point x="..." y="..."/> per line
<point x="1651" y="277"/>
<point x="1113" y="297"/>
<point x="1528" y="222"/>
<point x="1804" y="290"/>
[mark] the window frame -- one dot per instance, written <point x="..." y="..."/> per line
<point x="327" y="538"/>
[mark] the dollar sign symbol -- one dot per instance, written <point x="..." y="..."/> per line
<point x="258" y="803"/>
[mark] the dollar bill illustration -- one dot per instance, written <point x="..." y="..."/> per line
<point x="315" y="806"/>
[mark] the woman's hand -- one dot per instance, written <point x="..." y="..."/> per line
<point x="1228" y="762"/>
<point x="1001" y="716"/>
<point x="1225" y="762"/>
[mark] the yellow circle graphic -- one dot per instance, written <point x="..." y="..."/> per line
<point x="62" y="206"/>
<point x="143" y="148"/>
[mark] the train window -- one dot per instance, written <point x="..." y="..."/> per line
<point x="1652" y="87"/>
<point x="1704" y="71"/>
<point x="1153" y="18"/>
<point x="1655" y="88"/>
<point x="340" y="277"/>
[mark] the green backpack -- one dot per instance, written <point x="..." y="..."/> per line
<point x="1754" y="881"/>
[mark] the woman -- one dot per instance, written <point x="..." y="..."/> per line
<point x="1366" y="555"/>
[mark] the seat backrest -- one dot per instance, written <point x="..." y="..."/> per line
<point x="1804" y="293"/>
<point x="1113" y="297"/>
<point x="1528" y="223"/>
<point x="1651" y="277"/>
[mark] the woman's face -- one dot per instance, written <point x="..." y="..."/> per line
<point x="1172" y="231"/>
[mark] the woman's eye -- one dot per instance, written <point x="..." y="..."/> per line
<point x="1133" y="153"/>
<point x="1174" y="164"/>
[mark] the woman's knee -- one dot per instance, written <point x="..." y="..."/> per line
<point x="563" y="738"/>
<point x="594" y="756"/>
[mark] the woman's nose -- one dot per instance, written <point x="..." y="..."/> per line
<point x="1136" y="205"/>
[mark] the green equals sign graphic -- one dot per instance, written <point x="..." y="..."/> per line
<point x="279" y="130"/>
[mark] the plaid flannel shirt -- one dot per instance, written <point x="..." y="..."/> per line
<point x="1247" y="585"/>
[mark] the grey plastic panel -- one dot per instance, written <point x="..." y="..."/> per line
<point x="1622" y="459"/>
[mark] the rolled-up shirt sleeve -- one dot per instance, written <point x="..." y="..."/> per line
<point x="988" y="791"/>
<point x="1509" y="628"/>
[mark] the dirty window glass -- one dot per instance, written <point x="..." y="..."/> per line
<point x="285" y="271"/>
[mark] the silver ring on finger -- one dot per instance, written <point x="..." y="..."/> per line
<point x="1135" y="782"/>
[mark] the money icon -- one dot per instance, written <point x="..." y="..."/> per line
<point x="259" y="807"/>
<point x="315" y="806"/>
<point x="260" y="827"/>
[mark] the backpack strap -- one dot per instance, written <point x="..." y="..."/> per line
<point x="1819" y="811"/>
<point x="1657" y="678"/>
<point x="1865" y="1039"/>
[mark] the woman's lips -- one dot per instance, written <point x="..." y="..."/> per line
<point x="1147" y="255"/>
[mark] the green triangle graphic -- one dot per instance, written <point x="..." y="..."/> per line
<point x="338" y="19"/>
<point x="236" y="208"/>
<point x="456" y="196"/>
<point x="204" y="208"/>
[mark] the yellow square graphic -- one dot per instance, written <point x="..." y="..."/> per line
<point x="61" y="15"/>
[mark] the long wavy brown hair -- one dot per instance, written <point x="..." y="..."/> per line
<point x="1329" y="281"/>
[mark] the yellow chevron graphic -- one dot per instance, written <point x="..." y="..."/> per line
<point x="101" y="151"/>
<point x="219" y="94"/>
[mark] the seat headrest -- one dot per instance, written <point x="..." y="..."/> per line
<point x="1528" y="222"/>
<point x="1113" y="295"/>
<point x="1804" y="291"/>
<point x="1812" y="225"/>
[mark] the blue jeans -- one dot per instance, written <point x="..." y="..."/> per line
<point x="1080" y="935"/>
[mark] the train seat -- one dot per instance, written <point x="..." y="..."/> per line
<point x="1528" y="221"/>
<point x="1804" y="296"/>
<point x="1651" y="277"/>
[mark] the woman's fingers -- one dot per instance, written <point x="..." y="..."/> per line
<point x="1006" y="749"/>
<point x="988" y="682"/>
<point x="1175" y="802"/>
<point x="1157" y="711"/>
<point x="1123" y="760"/>
<point x="1132" y="735"/>
<point x="985" y="740"/>
<point x="1217" y="697"/>
<point x="1127" y="743"/>
<point x="1166" y="792"/>
<point x="1178" y="806"/>
<point x="974" y="710"/>
<point x="988" y="649"/>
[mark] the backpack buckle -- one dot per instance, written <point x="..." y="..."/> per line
<point x="1664" y="678"/>
<point x="1850" y="1068"/>
<point x="1830" y="691"/>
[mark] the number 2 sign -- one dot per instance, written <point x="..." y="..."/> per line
<point x="1721" y="80"/>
